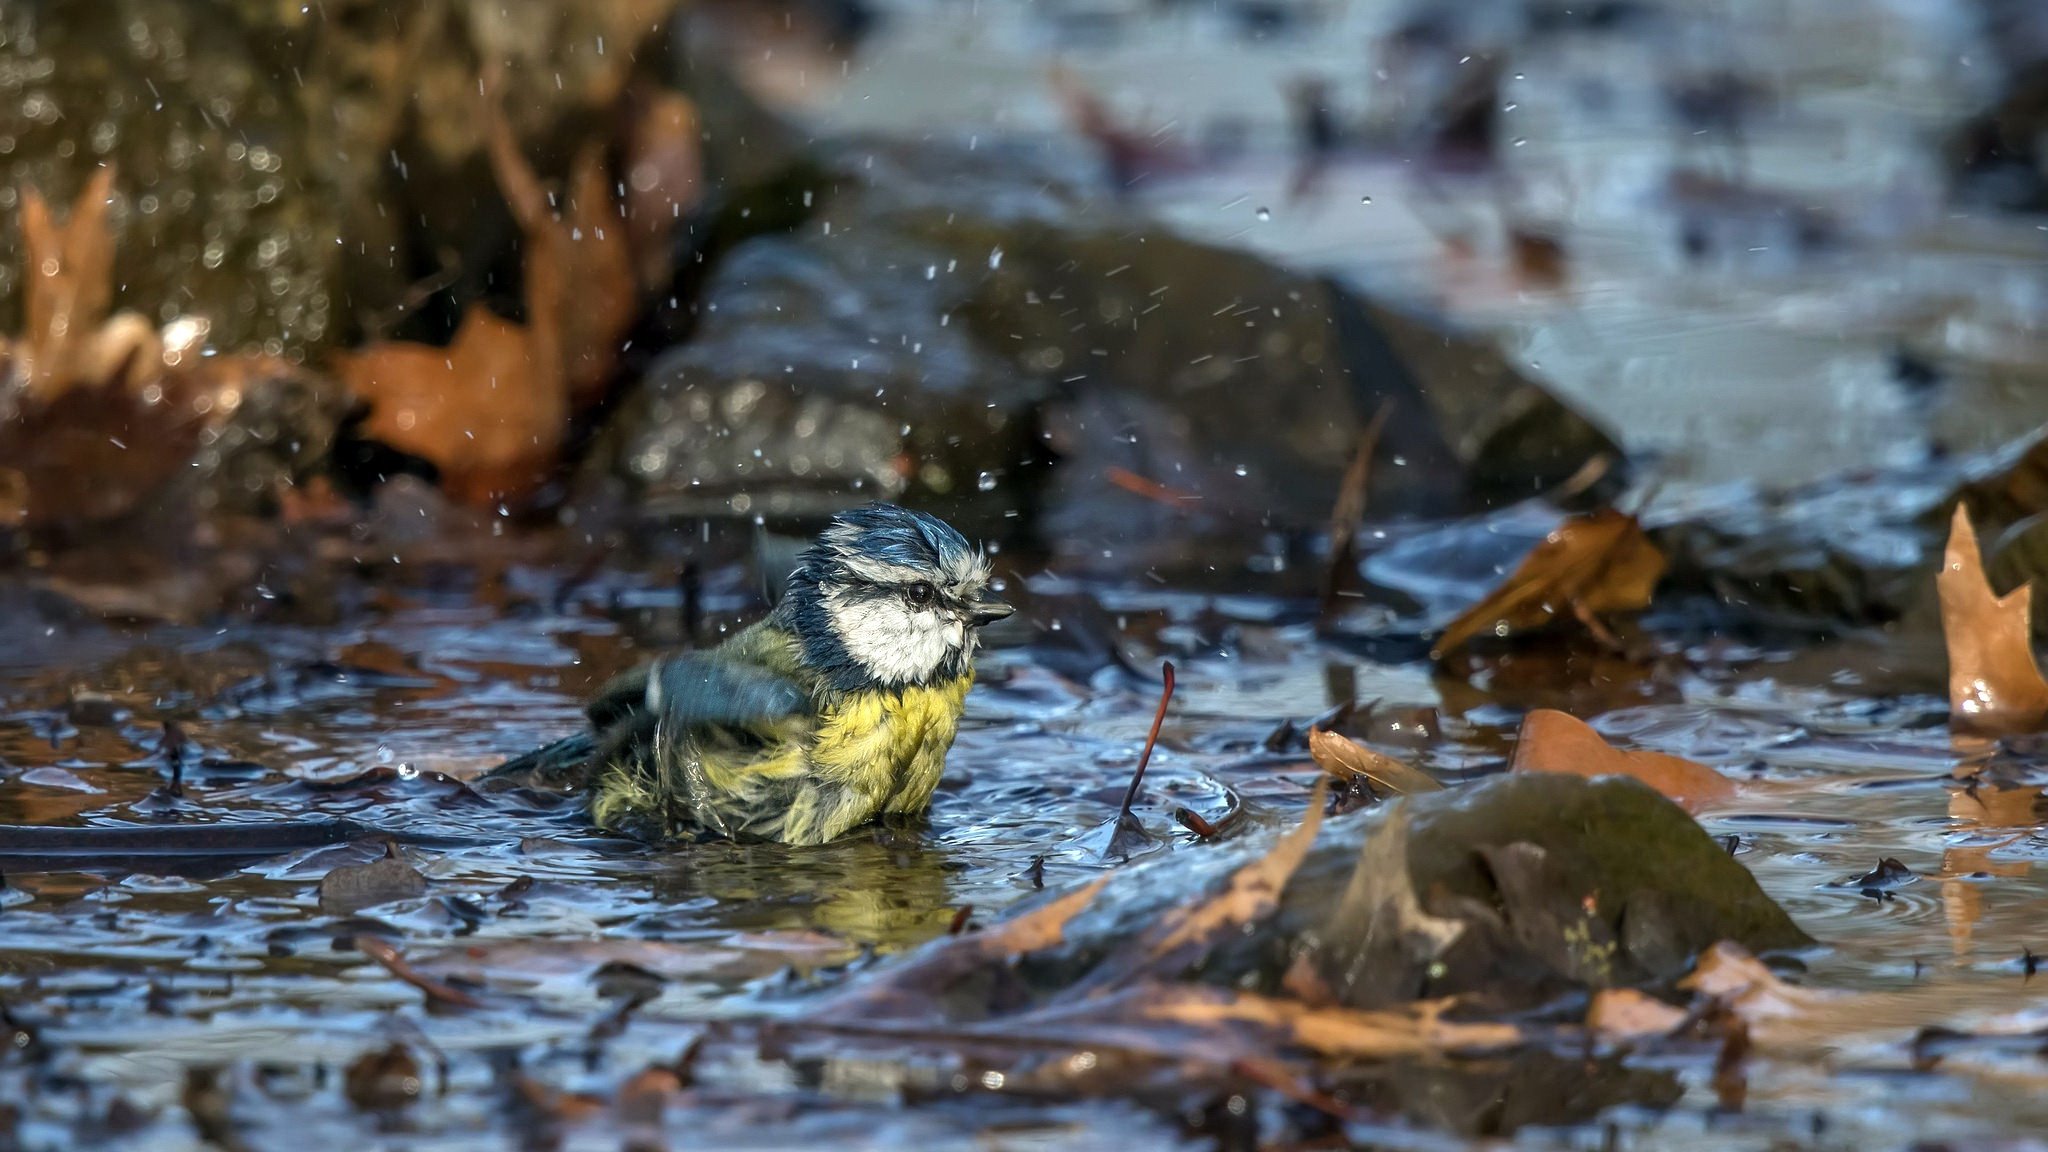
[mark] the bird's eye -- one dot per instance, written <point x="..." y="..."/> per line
<point x="920" y="595"/>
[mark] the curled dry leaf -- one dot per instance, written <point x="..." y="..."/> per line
<point x="1994" y="686"/>
<point x="1552" y="741"/>
<point x="1589" y="565"/>
<point x="1346" y="759"/>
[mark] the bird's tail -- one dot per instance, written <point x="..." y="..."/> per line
<point x="564" y="766"/>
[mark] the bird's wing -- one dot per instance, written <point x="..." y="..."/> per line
<point x="707" y="690"/>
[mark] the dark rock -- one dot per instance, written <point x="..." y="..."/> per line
<point x="1510" y="891"/>
<point x="976" y="331"/>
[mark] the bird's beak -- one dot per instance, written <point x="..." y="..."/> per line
<point x="989" y="611"/>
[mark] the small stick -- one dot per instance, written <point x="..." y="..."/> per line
<point x="960" y="918"/>
<point x="1193" y="822"/>
<point x="1349" y="512"/>
<point x="395" y="963"/>
<point x="1124" y="817"/>
<point x="1149" y="488"/>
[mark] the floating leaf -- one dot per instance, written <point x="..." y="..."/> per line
<point x="1552" y="741"/>
<point x="1994" y="686"/>
<point x="1347" y="759"/>
<point x="1592" y="564"/>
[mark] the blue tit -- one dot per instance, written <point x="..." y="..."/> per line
<point x="834" y="710"/>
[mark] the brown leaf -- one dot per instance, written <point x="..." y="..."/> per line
<point x="1552" y="741"/>
<point x="1347" y="759"/>
<point x="1994" y="685"/>
<point x="488" y="410"/>
<point x="1589" y="565"/>
<point x="1179" y="938"/>
<point x="1621" y="1014"/>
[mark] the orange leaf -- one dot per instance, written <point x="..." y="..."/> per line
<point x="1626" y="1014"/>
<point x="1554" y="742"/>
<point x="488" y="410"/>
<point x="69" y="283"/>
<point x="1595" y="563"/>
<point x="1994" y="685"/>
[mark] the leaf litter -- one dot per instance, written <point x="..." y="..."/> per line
<point x="1552" y="741"/>
<point x="1995" y="687"/>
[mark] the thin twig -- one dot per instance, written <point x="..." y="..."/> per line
<point x="1149" y="488"/>
<point x="1349" y="513"/>
<point x="394" y="962"/>
<point x="1124" y="817"/>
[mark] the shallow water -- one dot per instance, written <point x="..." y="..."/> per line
<point x="142" y="974"/>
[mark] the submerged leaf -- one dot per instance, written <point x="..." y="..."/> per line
<point x="1994" y="686"/>
<point x="1552" y="741"/>
<point x="1592" y="564"/>
<point x="1347" y="759"/>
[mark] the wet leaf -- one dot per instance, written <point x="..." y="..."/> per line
<point x="1552" y="741"/>
<point x="354" y="887"/>
<point x="1994" y="685"/>
<point x="1622" y="1014"/>
<point x="1346" y="759"/>
<point x="1589" y="565"/>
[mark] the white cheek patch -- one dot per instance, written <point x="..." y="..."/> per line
<point x="894" y="644"/>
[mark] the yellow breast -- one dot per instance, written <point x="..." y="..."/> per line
<point x="884" y="751"/>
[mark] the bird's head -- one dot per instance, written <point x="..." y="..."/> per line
<point x="889" y="598"/>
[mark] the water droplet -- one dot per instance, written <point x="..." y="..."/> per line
<point x="1241" y="470"/>
<point x="1264" y="214"/>
<point x="1365" y="199"/>
<point x="986" y="482"/>
<point x="995" y="258"/>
